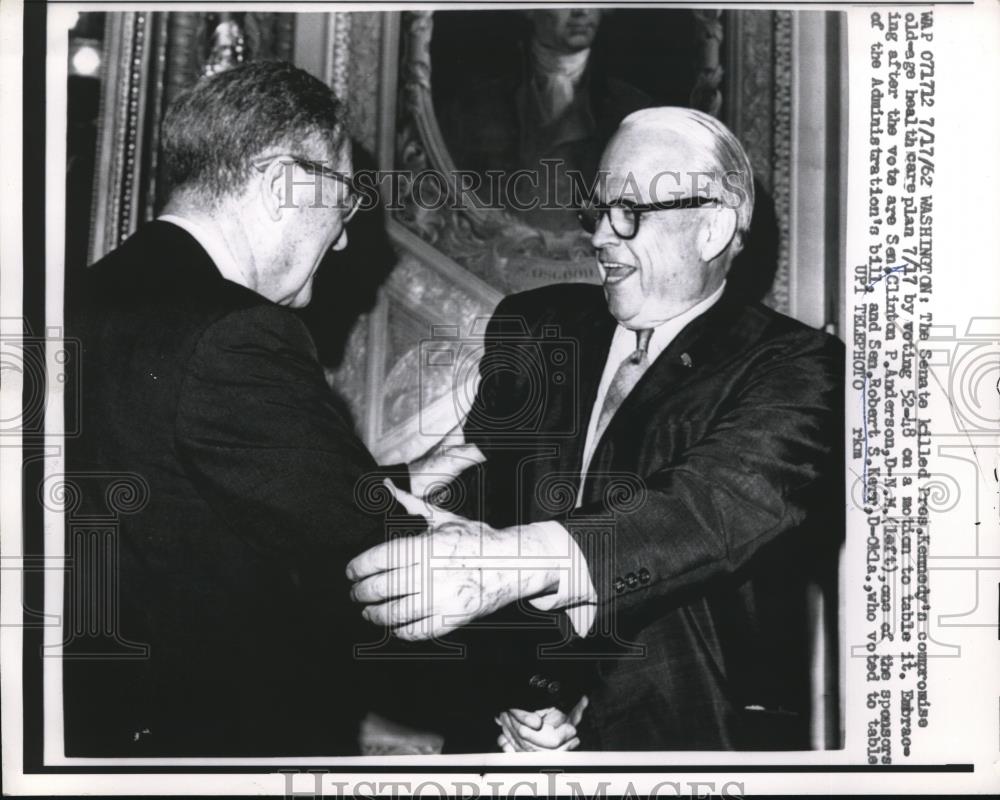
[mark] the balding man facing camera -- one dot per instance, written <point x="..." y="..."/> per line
<point x="699" y="435"/>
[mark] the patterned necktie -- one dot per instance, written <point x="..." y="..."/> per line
<point x="627" y="376"/>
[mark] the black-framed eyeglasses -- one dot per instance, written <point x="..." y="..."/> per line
<point x="315" y="168"/>
<point x="624" y="215"/>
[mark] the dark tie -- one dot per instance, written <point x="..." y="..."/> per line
<point x="625" y="379"/>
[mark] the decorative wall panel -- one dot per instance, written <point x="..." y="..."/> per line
<point x="757" y="107"/>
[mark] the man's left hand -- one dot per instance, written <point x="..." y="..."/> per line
<point x="547" y="729"/>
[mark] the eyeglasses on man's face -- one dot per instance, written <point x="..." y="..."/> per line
<point x="316" y="168"/>
<point x="624" y="215"/>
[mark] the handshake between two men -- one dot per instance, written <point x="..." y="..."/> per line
<point x="460" y="570"/>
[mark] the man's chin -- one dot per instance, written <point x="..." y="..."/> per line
<point x="619" y="307"/>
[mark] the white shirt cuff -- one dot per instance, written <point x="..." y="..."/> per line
<point x="575" y="593"/>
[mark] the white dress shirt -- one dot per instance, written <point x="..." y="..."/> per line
<point x="576" y="593"/>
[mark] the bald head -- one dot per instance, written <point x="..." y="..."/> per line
<point x="673" y="152"/>
<point x="659" y="256"/>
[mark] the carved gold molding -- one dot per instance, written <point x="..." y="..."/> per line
<point x="781" y="164"/>
<point x="117" y="200"/>
<point x="337" y="61"/>
<point x="707" y="92"/>
<point x="758" y="109"/>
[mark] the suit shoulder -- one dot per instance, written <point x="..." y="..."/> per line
<point x="778" y="327"/>
<point x="264" y="325"/>
<point x="560" y="300"/>
<point x="160" y="273"/>
<point x="260" y="351"/>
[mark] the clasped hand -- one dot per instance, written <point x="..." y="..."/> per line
<point x="459" y="570"/>
<point x="547" y="729"/>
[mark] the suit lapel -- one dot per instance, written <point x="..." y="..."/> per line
<point x="695" y="350"/>
<point x="597" y="327"/>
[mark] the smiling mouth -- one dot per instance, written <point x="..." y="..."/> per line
<point x="615" y="272"/>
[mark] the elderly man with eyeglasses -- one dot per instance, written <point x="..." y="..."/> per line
<point x="680" y="448"/>
<point x="219" y="623"/>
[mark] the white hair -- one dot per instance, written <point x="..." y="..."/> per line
<point x="720" y="149"/>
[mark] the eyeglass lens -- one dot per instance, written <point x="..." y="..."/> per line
<point x="622" y="219"/>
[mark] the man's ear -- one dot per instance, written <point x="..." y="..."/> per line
<point x="274" y="185"/>
<point x="717" y="233"/>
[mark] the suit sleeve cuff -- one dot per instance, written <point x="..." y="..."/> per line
<point x="575" y="593"/>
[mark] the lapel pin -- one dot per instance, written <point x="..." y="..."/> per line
<point x="686" y="360"/>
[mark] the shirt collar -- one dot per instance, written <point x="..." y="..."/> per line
<point x="667" y="331"/>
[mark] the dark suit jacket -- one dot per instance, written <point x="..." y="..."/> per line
<point x="711" y="498"/>
<point x="231" y="558"/>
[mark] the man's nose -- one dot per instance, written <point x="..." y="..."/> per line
<point x="603" y="235"/>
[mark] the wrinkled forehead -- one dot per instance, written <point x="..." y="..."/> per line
<point x="646" y="165"/>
